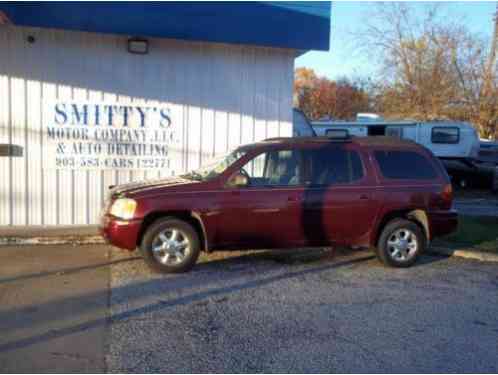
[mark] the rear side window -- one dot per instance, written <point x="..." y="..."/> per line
<point x="449" y="135"/>
<point x="332" y="165"/>
<point x="405" y="165"/>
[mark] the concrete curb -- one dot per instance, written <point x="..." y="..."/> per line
<point x="48" y="231"/>
<point x="468" y="254"/>
<point x="64" y="240"/>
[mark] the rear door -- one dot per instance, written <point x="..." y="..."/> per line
<point x="339" y="205"/>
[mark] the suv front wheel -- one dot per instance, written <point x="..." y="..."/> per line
<point x="400" y="243"/>
<point x="170" y="246"/>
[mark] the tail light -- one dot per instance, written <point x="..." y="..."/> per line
<point x="447" y="197"/>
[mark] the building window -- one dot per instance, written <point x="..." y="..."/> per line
<point x="449" y="135"/>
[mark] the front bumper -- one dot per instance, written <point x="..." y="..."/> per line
<point x="443" y="222"/>
<point x="120" y="233"/>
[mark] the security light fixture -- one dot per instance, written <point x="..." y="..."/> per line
<point x="10" y="150"/>
<point x="138" y="46"/>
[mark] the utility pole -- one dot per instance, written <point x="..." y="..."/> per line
<point x="490" y="68"/>
<point x="492" y="65"/>
<point x="488" y="98"/>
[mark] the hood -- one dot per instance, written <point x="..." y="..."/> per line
<point x="134" y="188"/>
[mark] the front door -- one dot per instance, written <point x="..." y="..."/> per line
<point x="266" y="212"/>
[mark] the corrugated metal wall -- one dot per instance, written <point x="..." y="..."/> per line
<point x="220" y="96"/>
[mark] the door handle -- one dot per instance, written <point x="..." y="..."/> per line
<point x="364" y="197"/>
<point x="294" y="199"/>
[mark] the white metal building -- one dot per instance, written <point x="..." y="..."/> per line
<point x="87" y="112"/>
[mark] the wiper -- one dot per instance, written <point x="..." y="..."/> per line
<point x="194" y="176"/>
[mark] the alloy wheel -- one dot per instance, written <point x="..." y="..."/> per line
<point x="402" y="245"/>
<point x="171" y="247"/>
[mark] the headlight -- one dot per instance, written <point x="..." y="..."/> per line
<point x="124" y="208"/>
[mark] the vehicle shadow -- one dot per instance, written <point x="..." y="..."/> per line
<point x="428" y="258"/>
<point x="288" y="266"/>
<point x="232" y="271"/>
<point x="66" y="271"/>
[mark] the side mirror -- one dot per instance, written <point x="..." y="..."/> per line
<point x="238" y="180"/>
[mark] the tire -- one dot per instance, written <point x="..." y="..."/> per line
<point x="494" y="187"/>
<point x="396" y="253"/>
<point x="171" y="254"/>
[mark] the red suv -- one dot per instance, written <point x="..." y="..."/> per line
<point x="379" y="192"/>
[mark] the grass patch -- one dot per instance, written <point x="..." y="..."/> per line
<point x="474" y="232"/>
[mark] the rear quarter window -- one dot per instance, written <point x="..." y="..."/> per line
<point x="404" y="165"/>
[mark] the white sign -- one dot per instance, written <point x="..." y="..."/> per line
<point x="86" y="135"/>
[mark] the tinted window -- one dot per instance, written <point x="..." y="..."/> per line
<point x="333" y="165"/>
<point x="405" y="165"/>
<point x="445" y="135"/>
<point x="279" y="168"/>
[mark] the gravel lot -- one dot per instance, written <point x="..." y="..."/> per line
<point x="305" y="312"/>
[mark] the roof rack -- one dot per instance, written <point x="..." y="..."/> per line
<point x="338" y="134"/>
<point x="323" y="139"/>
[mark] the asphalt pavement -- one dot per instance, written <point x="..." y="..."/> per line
<point x="93" y="309"/>
<point x="46" y="291"/>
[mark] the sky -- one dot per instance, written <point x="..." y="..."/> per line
<point x="343" y="58"/>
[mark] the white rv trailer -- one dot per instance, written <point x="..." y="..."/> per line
<point x="446" y="139"/>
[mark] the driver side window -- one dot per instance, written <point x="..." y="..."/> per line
<point x="274" y="168"/>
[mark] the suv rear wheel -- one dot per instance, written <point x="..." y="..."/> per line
<point x="170" y="246"/>
<point x="400" y="243"/>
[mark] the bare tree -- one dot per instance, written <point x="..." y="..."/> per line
<point x="432" y="68"/>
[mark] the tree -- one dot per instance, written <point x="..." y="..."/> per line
<point x="431" y="68"/>
<point x="305" y="81"/>
<point x="318" y="97"/>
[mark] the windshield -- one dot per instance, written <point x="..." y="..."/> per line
<point x="214" y="167"/>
